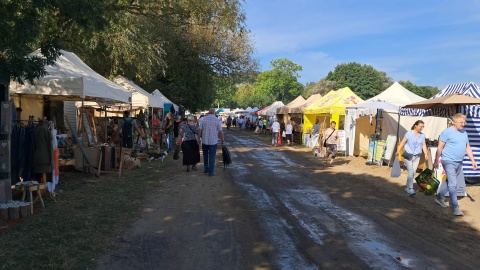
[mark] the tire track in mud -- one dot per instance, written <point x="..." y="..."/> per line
<point x="303" y="224"/>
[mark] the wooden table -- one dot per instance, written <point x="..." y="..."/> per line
<point x="30" y="188"/>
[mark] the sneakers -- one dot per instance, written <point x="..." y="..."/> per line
<point x="457" y="212"/>
<point x="441" y="202"/>
<point x="410" y="191"/>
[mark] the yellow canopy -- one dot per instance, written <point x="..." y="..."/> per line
<point x="334" y="102"/>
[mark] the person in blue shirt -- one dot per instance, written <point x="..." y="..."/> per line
<point x="452" y="146"/>
<point x="414" y="143"/>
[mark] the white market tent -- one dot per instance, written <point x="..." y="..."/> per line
<point x="140" y="97"/>
<point x="272" y="109"/>
<point x="71" y="79"/>
<point x="163" y="99"/>
<point x="360" y="122"/>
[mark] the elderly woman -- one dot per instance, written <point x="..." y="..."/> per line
<point x="190" y="148"/>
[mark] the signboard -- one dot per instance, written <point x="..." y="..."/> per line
<point x="375" y="151"/>
<point x="390" y="146"/>
<point x="343" y="140"/>
<point x="105" y="101"/>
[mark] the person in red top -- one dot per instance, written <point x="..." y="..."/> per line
<point x="156" y="129"/>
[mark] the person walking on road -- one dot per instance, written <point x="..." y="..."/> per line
<point x="275" y="132"/>
<point x="288" y="132"/>
<point x="331" y="142"/>
<point x="414" y="142"/>
<point x="169" y="130"/>
<point x="209" y="130"/>
<point x="189" y="143"/>
<point x="452" y="146"/>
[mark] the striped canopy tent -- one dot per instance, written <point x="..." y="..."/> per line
<point x="471" y="111"/>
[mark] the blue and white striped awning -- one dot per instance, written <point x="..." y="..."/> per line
<point x="473" y="119"/>
<point x="466" y="89"/>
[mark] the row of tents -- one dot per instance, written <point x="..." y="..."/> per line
<point x="358" y="118"/>
<point x="72" y="81"/>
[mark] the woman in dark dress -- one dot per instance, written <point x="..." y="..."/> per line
<point x="190" y="148"/>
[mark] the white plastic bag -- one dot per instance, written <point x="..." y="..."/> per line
<point x="396" y="171"/>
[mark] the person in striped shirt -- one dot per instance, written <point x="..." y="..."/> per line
<point x="209" y="131"/>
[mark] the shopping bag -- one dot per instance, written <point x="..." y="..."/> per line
<point x="396" y="171"/>
<point x="427" y="182"/>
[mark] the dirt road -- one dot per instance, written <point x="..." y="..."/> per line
<point x="281" y="208"/>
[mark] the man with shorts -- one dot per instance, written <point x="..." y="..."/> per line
<point x="330" y="141"/>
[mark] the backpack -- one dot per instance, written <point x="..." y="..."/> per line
<point x="127" y="128"/>
<point x="227" y="160"/>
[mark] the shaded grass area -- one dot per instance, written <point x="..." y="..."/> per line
<point x="84" y="222"/>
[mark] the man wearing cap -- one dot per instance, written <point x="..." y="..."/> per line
<point x="209" y="130"/>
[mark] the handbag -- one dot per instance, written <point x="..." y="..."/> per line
<point x="427" y="182"/>
<point x="325" y="142"/>
<point x="396" y="171"/>
<point x="407" y="156"/>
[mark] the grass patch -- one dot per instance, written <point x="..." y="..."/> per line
<point x="82" y="225"/>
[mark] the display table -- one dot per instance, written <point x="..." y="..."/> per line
<point x="93" y="155"/>
<point x="30" y="187"/>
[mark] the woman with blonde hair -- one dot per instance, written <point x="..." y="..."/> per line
<point x="190" y="148"/>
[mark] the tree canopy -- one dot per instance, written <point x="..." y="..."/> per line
<point x="29" y="25"/>
<point x="423" y="91"/>
<point x="183" y="48"/>
<point x="364" y="80"/>
<point x="278" y="84"/>
<point x="321" y="87"/>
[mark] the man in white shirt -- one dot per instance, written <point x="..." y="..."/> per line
<point x="275" y="132"/>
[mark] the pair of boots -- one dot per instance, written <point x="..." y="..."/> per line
<point x="194" y="168"/>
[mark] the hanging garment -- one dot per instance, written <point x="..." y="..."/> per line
<point x="42" y="149"/>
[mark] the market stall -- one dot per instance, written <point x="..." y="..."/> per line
<point x="465" y="91"/>
<point x="283" y="112"/>
<point x="69" y="79"/>
<point x="330" y="107"/>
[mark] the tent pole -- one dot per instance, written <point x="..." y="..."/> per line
<point x="106" y="123"/>
<point x="398" y="133"/>
<point x="83" y="133"/>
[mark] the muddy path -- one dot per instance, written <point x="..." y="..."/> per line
<point x="281" y="208"/>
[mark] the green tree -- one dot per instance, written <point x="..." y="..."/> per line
<point x="280" y="83"/>
<point x="244" y="95"/>
<point x="29" y="25"/>
<point x="364" y="80"/>
<point x="423" y="91"/>
<point x="321" y="87"/>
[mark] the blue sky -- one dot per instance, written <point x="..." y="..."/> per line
<point x="429" y="42"/>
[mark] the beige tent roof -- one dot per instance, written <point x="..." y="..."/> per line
<point x="295" y="103"/>
<point x="312" y="99"/>
<point x="398" y="95"/>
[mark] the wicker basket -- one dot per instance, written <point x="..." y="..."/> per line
<point x="25" y="209"/>
<point x="14" y="212"/>
<point x="4" y="213"/>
